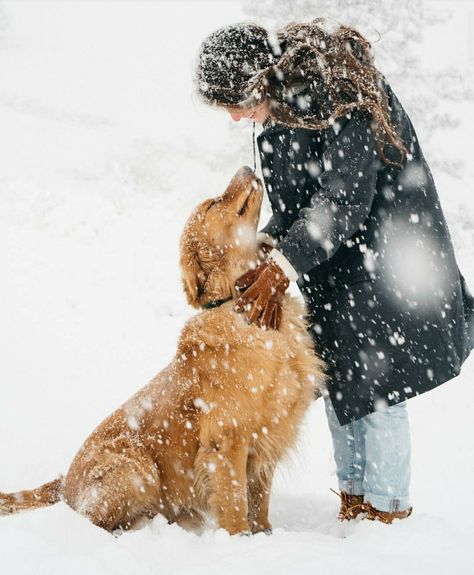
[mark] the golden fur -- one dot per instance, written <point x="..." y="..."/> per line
<point x="206" y="433"/>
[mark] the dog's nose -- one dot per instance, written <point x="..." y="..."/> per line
<point x="243" y="178"/>
<point x="245" y="171"/>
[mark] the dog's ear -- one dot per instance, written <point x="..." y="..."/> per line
<point x="192" y="276"/>
<point x="217" y="284"/>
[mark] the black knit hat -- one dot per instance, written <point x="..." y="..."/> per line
<point x="229" y="62"/>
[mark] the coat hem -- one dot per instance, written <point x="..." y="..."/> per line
<point x="344" y="418"/>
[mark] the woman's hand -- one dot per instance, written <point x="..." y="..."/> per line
<point x="265" y="287"/>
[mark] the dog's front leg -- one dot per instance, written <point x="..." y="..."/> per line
<point x="225" y="461"/>
<point x="259" y="487"/>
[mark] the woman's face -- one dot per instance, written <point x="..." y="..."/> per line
<point x="257" y="113"/>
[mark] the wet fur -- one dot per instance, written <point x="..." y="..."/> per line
<point x="205" y="435"/>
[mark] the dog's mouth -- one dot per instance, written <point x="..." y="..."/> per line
<point x="241" y="211"/>
<point x="253" y="187"/>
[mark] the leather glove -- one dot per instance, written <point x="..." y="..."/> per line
<point x="265" y="287"/>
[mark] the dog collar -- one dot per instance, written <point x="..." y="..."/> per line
<point x="215" y="303"/>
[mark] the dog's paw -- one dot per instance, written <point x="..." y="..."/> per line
<point x="262" y="528"/>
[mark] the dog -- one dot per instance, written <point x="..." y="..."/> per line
<point x="205" y="435"/>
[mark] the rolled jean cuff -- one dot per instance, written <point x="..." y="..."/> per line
<point x="387" y="503"/>
<point x="351" y="486"/>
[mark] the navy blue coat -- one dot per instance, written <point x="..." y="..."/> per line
<point x="388" y="307"/>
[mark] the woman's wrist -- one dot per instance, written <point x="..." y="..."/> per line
<point x="284" y="264"/>
<point x="264" y="238"/>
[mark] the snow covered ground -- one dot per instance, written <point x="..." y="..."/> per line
<point x="104" y="151"/>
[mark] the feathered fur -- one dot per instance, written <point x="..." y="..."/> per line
<point x="206" y="433"/>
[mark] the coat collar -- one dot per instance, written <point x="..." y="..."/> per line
<point x="270" y="127"/>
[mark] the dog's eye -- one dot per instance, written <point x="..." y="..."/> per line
<point x="213" y="203"/>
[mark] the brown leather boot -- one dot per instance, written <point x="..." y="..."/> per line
<point x="351" y="505"/>
<point x="385" y="516"/>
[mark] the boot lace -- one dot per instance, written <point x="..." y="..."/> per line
<point x="348" y="511"/>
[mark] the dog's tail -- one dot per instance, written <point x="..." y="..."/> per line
<point x="47" y="494"/>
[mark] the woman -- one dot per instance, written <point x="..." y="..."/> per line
<point x="358" y="224"/>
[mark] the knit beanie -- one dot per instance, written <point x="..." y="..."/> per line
<point x="230" y="61"/>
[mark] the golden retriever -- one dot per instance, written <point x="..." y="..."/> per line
<point x="205" y="435"/>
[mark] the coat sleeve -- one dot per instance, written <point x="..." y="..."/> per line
<point x="274" y="228"/>
<point x="341" y="197"/>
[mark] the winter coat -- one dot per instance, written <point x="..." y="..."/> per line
<point x="388" y="307"/>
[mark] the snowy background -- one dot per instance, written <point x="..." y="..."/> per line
<point x="104" y="151"/>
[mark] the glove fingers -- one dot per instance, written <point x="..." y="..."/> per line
<point x="272" y="321"/>
<point x="246" y="298"/>
<point x="250" y="277"/>
<point x="256" y="310"/>
<point x="271" y="318"/>
<point x="261" y="300"/>
<point x="277" y="318"/>
<point x="265" y="319"/>
<point x="246" y="280"/>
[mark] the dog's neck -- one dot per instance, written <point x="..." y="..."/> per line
<point x="219" y="285"/>
<point x="216" y="296"/>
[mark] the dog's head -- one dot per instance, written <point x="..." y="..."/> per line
<point x="219" y="243"/>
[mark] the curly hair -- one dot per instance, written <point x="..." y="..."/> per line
<point x="240" y="66"/>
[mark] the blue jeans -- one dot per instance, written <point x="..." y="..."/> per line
<point x="373" y="456"/>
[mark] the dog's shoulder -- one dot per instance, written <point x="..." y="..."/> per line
<point x="223" y="328"/>
<point x="216" y="328"/>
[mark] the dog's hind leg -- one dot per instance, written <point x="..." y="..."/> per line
<point x="119" y="495"/>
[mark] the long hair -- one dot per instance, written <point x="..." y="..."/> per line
<point x="335" y="68"/>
